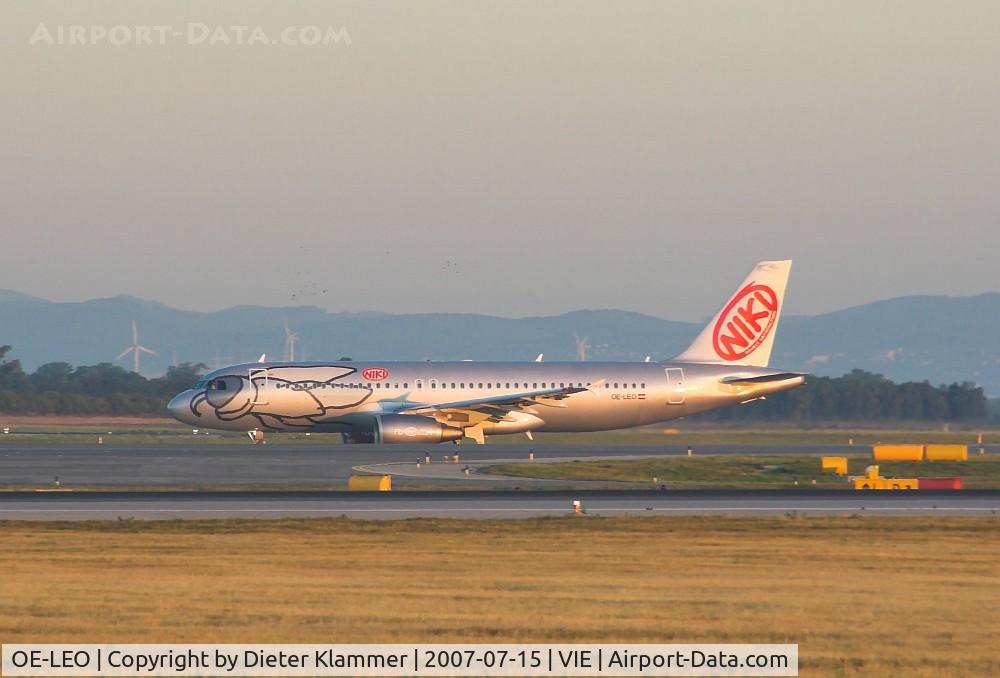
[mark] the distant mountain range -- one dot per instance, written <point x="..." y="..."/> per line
<point x="938" y="339"/>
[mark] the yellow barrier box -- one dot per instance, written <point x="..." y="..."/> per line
<point x="370" y="483"/>
<point x="836" y="464"/>
<point x="947" y="453"/>
<point x="898" y="452"/>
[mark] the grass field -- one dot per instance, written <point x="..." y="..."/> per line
<point x="746" y="472"/>
<point x="867" y="597"/>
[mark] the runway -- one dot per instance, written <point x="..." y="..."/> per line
<point x="281" y="464"/>
<point x="180" y="480"/>
<point x="485" y="505"/>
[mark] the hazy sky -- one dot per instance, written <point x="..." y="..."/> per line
<point x="506" y="158"/>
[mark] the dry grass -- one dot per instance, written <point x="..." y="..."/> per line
<point x="71" y="421"/>
<point x="865" y="596"/>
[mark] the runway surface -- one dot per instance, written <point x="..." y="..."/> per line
<point x="283" y="464"/>
<point x="268" y="481"/>
<point x="496" y="505"/>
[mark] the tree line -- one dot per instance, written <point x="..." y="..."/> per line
<point x="103" y="389"/>
<point x="863" y="396"/>
<point x="107" y="389"/>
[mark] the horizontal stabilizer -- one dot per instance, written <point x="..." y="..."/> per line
<point x="764" y="379"/>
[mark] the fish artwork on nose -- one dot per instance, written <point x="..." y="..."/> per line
<point x="281" y="398"/>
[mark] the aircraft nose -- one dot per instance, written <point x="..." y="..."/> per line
<point x="179" y="407"/>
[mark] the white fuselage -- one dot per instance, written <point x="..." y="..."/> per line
<point x="335" y="397"/>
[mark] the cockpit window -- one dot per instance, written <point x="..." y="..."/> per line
<point x="217" y="385"/>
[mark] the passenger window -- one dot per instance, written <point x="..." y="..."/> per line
<point x="405" y="385"/>
<point x="507" y="385"/>
<point x="480" y="384"/>
<point x="642" y="385"/>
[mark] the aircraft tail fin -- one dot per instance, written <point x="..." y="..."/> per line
<point x="742" y="332"/>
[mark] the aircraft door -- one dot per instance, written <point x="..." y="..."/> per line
<point x="675" y="386"/>
<point x="259" y="382"/>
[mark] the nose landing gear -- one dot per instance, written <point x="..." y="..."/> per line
<point x="257" y="437"/>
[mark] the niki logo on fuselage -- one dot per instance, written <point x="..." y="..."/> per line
<point x="375" y="374"/>
<point x="745" y="322"/>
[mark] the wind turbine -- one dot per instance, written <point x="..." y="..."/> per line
<point x="581" y="347"/>
<point x="290" y="338"/>
<point x="136" y="349"/>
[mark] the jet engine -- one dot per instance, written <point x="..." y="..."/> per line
<point x="405" y="428"/>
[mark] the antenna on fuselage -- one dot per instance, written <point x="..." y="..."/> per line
<point x="262" y="358"/>
<point x="539" y="358"/>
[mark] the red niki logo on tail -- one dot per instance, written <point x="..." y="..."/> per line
<point x="745" y="322"/>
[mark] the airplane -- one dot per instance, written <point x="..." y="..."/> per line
<point x="435" y="402"/>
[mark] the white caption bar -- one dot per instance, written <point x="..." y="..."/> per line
<point x="401" y="660"/>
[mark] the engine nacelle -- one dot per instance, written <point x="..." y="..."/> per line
<point x="404" y="428"/>
<point x="391" y="429"/>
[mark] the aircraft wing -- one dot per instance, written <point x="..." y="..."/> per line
<point x="496" y="407"/>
